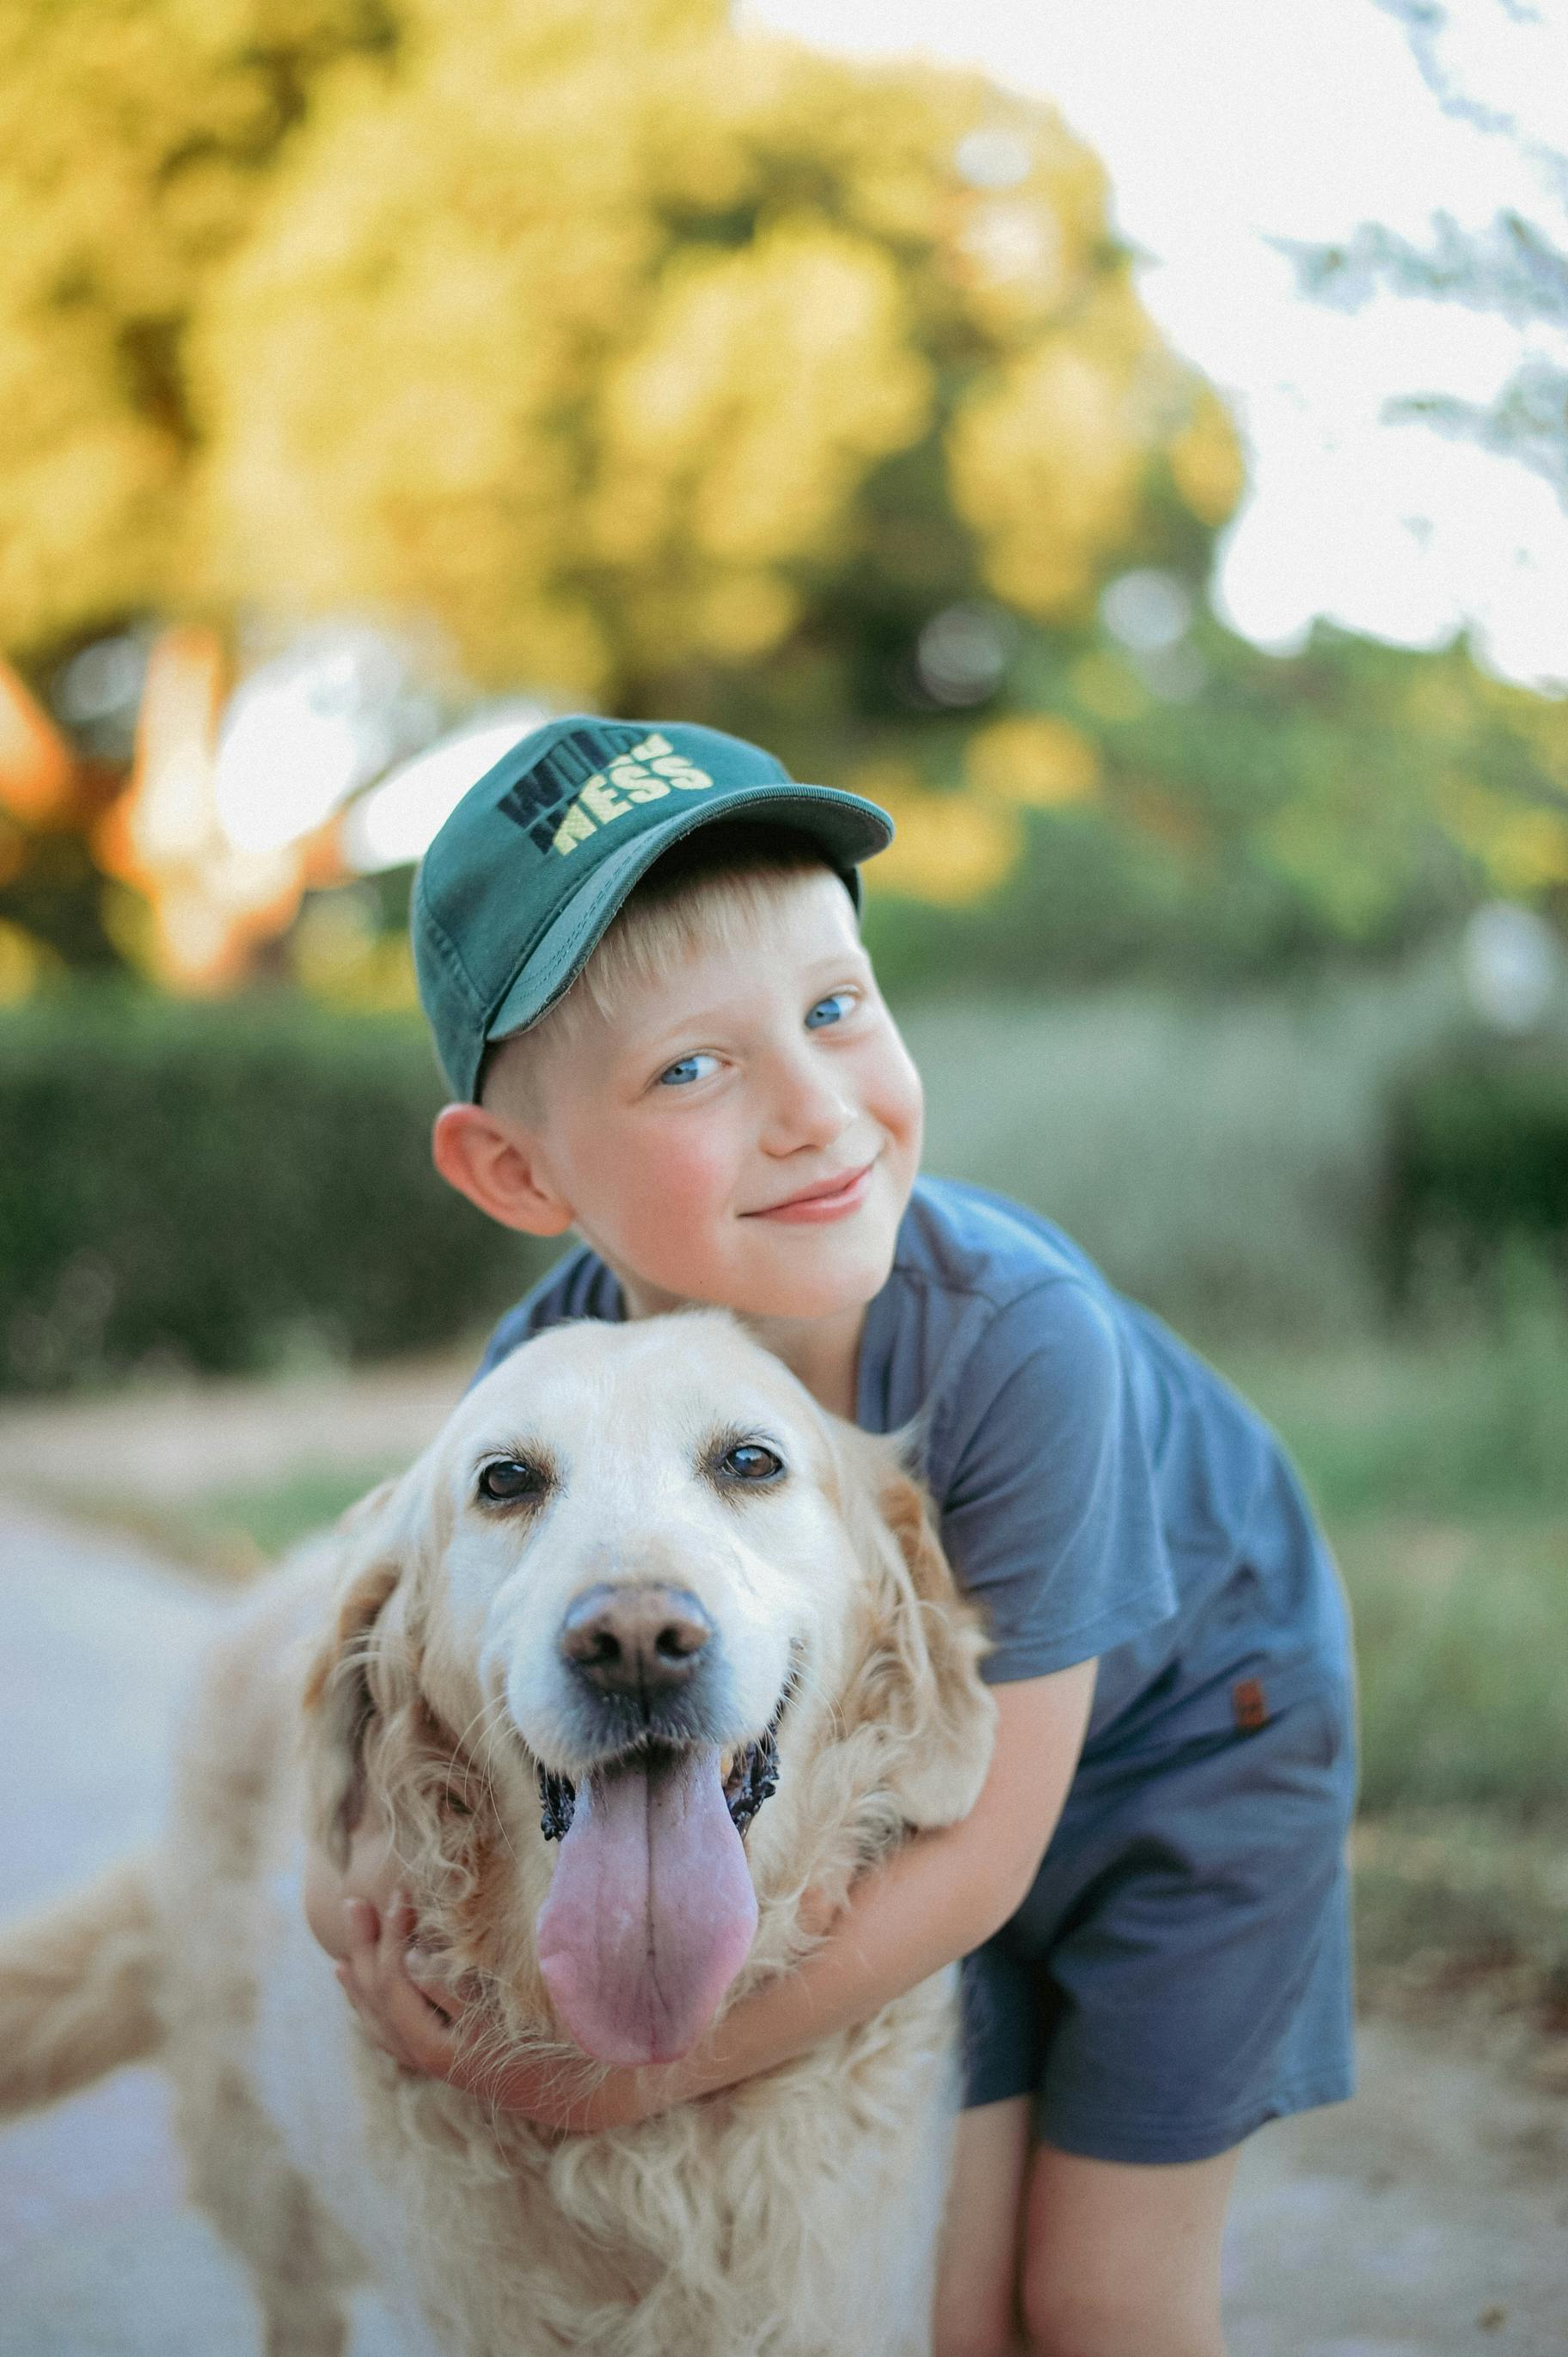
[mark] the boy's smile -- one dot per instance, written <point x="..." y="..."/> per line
<point x="831" y="1200"/>
<point x="747" y="1136"/>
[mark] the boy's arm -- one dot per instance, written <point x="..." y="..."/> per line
<point x="939" y="1896"/>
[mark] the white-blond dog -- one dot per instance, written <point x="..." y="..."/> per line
<point x="642" y="1650"/>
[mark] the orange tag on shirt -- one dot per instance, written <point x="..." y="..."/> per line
<point x="1248" y="1703"/>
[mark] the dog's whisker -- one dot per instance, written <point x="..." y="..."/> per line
<point x="493" y="1713"/>
<point x="482" y="1720"/>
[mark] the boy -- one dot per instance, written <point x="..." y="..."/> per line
<point x="709" y="1088"/>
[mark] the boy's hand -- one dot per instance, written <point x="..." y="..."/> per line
<point x="414" y="2015"/>
<point x="362" y="1918"/>
<point x="365" y="1921"/>
<point x="403" y="2006"/>
<point x="372" y="1872"/>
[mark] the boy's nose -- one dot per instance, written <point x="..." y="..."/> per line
<point x="806" y="1111"/>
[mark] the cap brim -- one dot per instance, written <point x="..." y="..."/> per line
<point x="848" y="829"/>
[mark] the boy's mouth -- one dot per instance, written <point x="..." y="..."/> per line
<point x="833" y="1194"/>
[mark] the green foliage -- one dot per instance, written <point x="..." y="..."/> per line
<point x="224" y="1188"/>
<point x="1461" y="1628"/>
<point x="1252" y="813"/>
<point x="1478" y="1161"/>
<point x="1465" y="1903"/>
<point x="1439" y="1464"/>
<point x="227" y="1185"/>
<point x="1450" y="1422"/>
<point x="247" y="1529"/>
<point x="1220" y="1155"/>
<point x="697" y="372"/>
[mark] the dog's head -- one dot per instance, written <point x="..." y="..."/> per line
<point x="641" y="1592"/>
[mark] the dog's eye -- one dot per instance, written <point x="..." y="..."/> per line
<point x="749" y="1461"/>
<point x="508" y="1478"/>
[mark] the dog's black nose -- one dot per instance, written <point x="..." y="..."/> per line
<point x="635" y="1640"/>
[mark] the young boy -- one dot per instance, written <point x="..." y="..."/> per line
<point x="703" y="1080"/>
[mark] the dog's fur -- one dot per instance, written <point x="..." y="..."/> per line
<point x="416" y="1649"/>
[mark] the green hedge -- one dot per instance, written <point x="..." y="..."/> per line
<point x="1477" y="1162"/>
<point x="224" y="1187"/>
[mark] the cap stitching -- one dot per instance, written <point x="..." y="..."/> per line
<point x="452" y="956"/>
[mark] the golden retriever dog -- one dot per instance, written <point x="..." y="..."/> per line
<point x="644" y="1649"/>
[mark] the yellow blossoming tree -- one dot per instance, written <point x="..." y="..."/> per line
<point x="137" y="139"/>
<point x="622" y="348"/>
<point x="585" y="330"/>
<point x="653" y="363"/>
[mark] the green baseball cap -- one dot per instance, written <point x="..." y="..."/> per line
<point x="519" y="886"/>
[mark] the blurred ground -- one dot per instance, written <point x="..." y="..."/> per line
<point x="1426" y="2219"/>
<point x="134" y="1457"/>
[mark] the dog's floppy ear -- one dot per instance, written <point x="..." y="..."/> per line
<point x="340" y="1695"/>
<point x="918" y="1677"/>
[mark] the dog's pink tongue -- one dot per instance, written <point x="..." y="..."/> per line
<point x="651" y="1912"/>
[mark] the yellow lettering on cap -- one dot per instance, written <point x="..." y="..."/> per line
<point x="602" y="798"/>
<point x="679" y="771"/>
<point x="639" y="785"/>
<point x="573" y="829"/>
<point x="665" y="762"/>
<point x="599" y="803"/>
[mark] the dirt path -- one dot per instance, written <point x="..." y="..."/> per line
<point x="1428" y="2218"/>
<point x="188" y="1441"/>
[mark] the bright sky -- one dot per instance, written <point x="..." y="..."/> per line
<point x="1226" y="122"/>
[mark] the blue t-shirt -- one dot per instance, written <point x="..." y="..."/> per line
<point x="1101" y="1490"/>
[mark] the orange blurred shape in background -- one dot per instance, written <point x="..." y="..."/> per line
<point x="212" y="905"/>
<point x="38" y="767"/>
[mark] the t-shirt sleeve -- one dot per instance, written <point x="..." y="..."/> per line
<point x="1042" y="1469"/>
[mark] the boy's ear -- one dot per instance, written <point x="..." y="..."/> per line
<point x="496" y="1163"/>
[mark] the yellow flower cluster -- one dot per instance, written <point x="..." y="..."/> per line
<point x="951" y="849"/>
<point x="1035" y="759"/>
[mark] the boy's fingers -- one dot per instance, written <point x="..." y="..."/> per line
<point x="362" y="1922"/>
<point x="435" y="1994"/>
<point x="424" y="2033"/>
<point x="371" y="2022"/>
<point x="413" y="2024"/>
<point x="430" y="1970"/>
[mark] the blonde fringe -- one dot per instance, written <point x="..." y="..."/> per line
<point x="687" y="904"/>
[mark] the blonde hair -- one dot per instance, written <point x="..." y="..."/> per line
<point x="710" y="890"/>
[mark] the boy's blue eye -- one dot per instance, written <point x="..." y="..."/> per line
<point x="839" y="1000"/>
<point x="680" y="1074"/>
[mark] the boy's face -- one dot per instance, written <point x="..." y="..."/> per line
<point x="679" y="1132"/>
